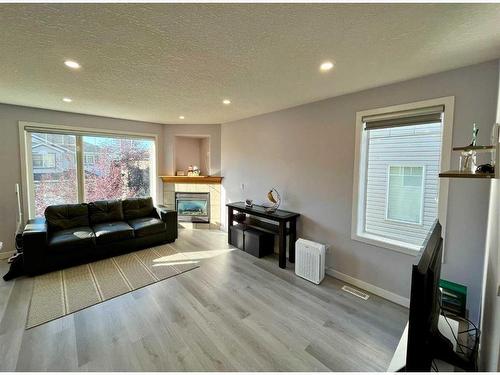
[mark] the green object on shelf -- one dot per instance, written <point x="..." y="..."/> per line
<point x="453" y="297"/>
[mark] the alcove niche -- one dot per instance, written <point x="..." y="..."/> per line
<point x="192" y="151"/>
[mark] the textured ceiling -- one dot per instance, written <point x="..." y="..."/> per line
<point x="155" y="62"/>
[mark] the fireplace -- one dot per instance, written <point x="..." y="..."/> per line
<point x="193" y="207"/>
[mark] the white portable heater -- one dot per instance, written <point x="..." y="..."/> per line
<point x="310" y="260"/>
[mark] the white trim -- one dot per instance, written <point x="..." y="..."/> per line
<point x="26" y="163"/>
<point x="389" y="243"/>
<point x="393" y="297"/>
<point x="359" y="176"/>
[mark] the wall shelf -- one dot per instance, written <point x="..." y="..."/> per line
<point x="192" y="179"/>
<point x="475" y="148"/>
<point x="460" y="174"/>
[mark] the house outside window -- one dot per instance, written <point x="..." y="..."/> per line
<point x="57" y="139"/>
<point x="397" y="191"/>
<point x="89" y="159"/>
<point x="46" y="160"/>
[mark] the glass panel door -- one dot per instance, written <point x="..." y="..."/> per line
<point x="53" y="170"/>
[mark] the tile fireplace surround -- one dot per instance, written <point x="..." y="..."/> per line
<point x="169" y="190"/>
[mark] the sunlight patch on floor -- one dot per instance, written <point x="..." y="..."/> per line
<point x="173" y="263"/>
<point x="191" y="256"/>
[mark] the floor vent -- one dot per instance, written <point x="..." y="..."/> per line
<point x="355" y="292"/>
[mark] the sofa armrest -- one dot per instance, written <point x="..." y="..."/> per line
<point x="169" y="217"/>
<point x="35" y="239"/>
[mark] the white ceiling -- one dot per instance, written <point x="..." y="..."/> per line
<point x="155" y="62"/>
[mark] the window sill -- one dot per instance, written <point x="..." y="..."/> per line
<point x="385" y="243"/>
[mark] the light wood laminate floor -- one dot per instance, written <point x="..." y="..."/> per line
<point x="234" y="313"/>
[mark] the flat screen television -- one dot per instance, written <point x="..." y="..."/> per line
<point x="425" y="342"/>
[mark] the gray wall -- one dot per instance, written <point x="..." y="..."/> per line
<point x="307" y="153"/>
<point x="205" y="154"/>
<point x="187" y="152"/>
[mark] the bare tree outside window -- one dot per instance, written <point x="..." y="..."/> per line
<point x="121" y="168"/>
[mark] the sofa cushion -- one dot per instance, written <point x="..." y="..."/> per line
<point x="145" y="226"/>
<point x="72" y="239"/>
<point x="66" y="216"/>
<point x="105" y="211"/>
<point x="112" y="232"/>
<point x="134" y="208"/>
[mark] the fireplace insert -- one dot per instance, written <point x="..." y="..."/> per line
<point x="193" y="207"/>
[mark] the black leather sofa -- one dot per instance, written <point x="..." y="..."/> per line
<point x="73" y="234"/>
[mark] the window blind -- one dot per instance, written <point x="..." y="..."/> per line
<point x="89" y="133"/>
<point x="429" y="115"/>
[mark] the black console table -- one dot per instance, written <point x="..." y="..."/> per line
<point x="281" y="217"/>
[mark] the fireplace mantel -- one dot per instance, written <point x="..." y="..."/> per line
<point x="192" y="179"/>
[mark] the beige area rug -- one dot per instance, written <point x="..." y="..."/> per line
<point x="64" y="292"/>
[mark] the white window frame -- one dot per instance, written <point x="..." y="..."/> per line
<point x="360" y="170"/>
<point x="27" y="163"/>
<point x="422" y="191"/>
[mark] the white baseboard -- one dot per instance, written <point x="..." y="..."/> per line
<point x="393" y="297"/>
<point x="6" y="254"/>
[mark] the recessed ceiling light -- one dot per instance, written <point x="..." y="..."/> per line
<point x="67" y="100"/>
<point x="226" y="101"/>
<point x="181" y="117"/>
<point x="72" y="64"/>
<point x="326" y="66"/>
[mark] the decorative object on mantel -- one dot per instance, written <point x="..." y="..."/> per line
<point x="274" y="197"/>
<point x="180" y="173"/>
<point x="248" y="203"/>
<point x="193" y="170"/>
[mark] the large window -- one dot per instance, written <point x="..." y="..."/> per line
<point x="83" y="167"/>
<point x="397" y="186"/>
